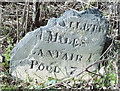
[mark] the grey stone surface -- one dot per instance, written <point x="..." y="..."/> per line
<point x="62" y="48"/>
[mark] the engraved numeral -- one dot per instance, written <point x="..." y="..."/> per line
<point x="73" y="70"/>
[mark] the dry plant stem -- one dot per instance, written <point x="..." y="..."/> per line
<point x="17" y="26"/>
<point x="118" y="11"/>
<point x="33" y="15"/>
<point x="82" y="6"/>
<point x="0" y="16"/>
<point x="93" y="73"/>
<point x="15" y="16"/>
<point x="118" y="34"/>
<point x="118" y="65"/>
<point x="21" y="4"/>
<point x="27" y="17"/>
<point x="23" y="15"/>
<point x="116" y="71"/>
<point x="34" y="11"/>
<point x="97" y="4"/>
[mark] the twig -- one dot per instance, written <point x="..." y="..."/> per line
<point x="107" y="49"/>
<point x="96" y="62"/>
<point x="93" y="73"/>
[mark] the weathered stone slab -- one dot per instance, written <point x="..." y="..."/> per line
<point x="62" y="48"/>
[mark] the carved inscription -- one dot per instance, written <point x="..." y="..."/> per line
<point x="54" y="37"/>
<point x="42" y="66"/>
<point x="57" y="54"/>
<point x="51" y="68"/>
<point x="85" y="27"/>
<point x="50" y="36"/>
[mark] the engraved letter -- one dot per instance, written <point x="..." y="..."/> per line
<point x="49" y="53"/>
<point x="41" y="67"/>
<point x="41" y="35"/>
<point x="56" y="35"/>
<point x="70" y="24"/>
<point x="57" y="54"/>
<point x="66" y="40"/>
<point x="32" y="64"/>
<point x="75" y="43"/>
<point x="49" y="69"/>
<point x="71" y="58"/>
<point x="49" y="36"/>
<point x="78" y="57"/>
<point x="65" y="56"/>
<point x="89" y="57"/>
<point x="40" y="52"/>
<point x="56" y="70"/>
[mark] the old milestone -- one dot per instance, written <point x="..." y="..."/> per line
<point x="62" y="48"/>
